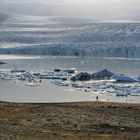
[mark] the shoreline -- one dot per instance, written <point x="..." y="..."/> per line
<point x="71" y="102"/>
<point x="69" y="121"/>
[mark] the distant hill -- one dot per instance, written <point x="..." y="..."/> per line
<point x="3" y="17"/>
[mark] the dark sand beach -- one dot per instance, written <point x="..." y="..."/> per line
<point x="70" y="121"/>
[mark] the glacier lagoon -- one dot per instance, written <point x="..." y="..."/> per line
<point x="17" y="91"/>
<point x="81" y="43"/>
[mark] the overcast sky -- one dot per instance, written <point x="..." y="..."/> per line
<point x="79" y="2"/>
<point x="111" y="9"/>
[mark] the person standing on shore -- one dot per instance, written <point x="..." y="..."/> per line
<point x="97" y="98"/>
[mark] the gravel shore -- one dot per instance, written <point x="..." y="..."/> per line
<point x="69" y="121"/>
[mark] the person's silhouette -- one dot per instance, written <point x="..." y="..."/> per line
<point x="97" y="98"/>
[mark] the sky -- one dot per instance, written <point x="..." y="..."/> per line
<point x="99" y="9"/>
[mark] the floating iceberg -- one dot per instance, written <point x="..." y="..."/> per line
<point x="78" y="85"/>
<point x="134" y="92"/>
<point x="123" y="78"/>
<point x="31" y="84"/>
<point x="69" y="71"/>
<point x="55" y="75"/>
<point x="29" y="75"/>
<point x="17" y="71"/>
<point x="61" y="83"/>
<point x="83" y="76"/>
<point x="121" y="93"/>
<point x="101" y="75"/>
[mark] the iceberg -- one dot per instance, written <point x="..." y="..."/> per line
<point x="29" y="75"/>
<point x="18" y="71"/>
<point x="123" y="78"/>
<point x="101" y="75"/>
<point x="134" y="92"/>
<point x="61" y="83"/>
<point x="83" y="76"/>
<point x="31" y="84"/>
<point x="78" y="85"/>
<point x="121" y="93"/>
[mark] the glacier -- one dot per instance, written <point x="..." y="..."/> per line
<point x="70" y="37"/>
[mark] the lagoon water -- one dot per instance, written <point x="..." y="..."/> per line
<point x="16" y="91"/>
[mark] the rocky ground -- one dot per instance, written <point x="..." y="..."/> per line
<point x="69" y="121"/>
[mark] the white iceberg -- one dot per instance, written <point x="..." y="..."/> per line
<point x="121" y="93"/>
<point x="61" y="83"/>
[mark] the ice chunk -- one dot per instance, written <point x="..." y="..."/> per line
<point x="123" y="78"/>
<point x="83" y="76"/>
<point x="101" y="75"/>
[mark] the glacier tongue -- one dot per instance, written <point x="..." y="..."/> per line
<point x="54" y="36"/>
